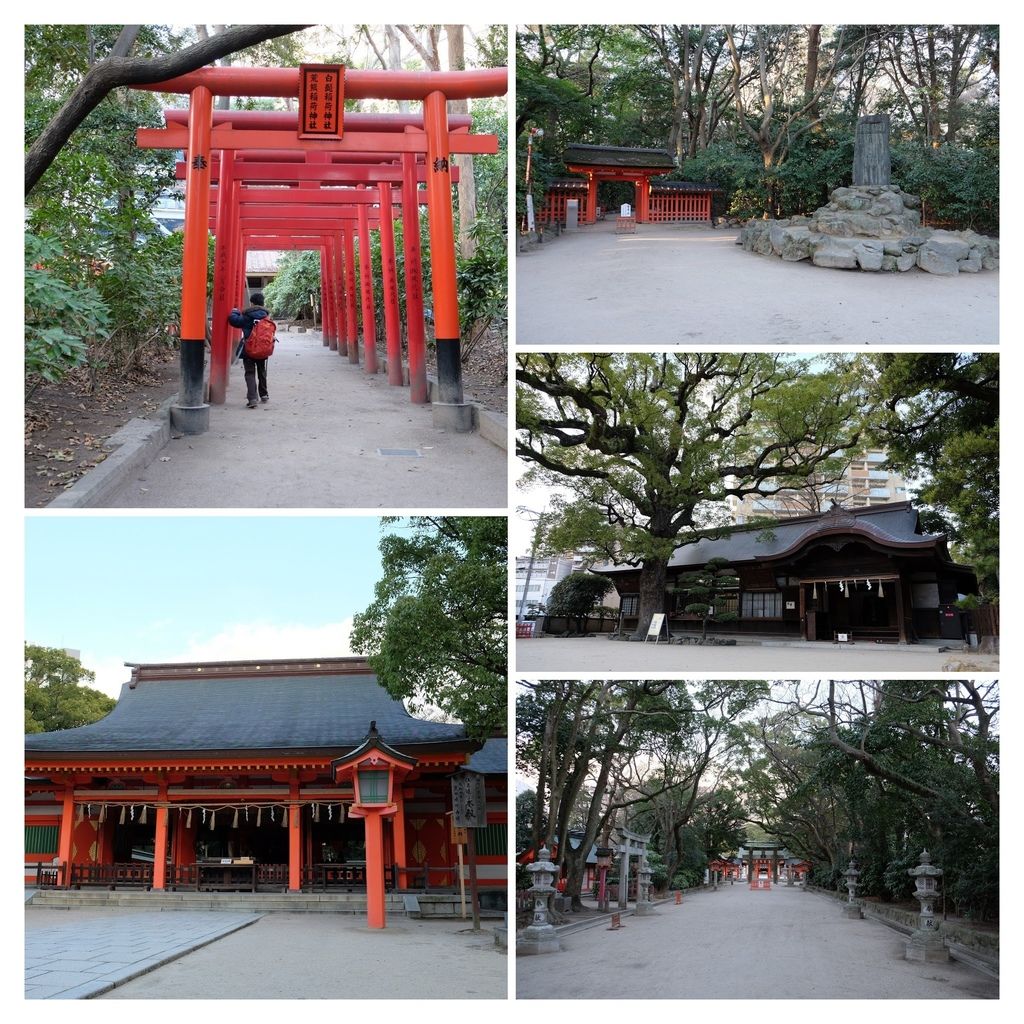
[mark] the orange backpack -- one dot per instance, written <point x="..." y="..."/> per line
<point x="260" y="343"/>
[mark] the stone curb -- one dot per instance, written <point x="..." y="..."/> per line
<point x="89" y="990"/>
<point x="135" y="444"/>
<point x="491" y="426"/>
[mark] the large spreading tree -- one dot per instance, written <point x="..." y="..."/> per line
<point x="648" y="447"/>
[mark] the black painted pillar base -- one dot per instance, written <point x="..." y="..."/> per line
<point x="449" y="410"/>
<point x="190" y="414"/>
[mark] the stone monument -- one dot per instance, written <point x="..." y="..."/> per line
<point x="644" y="906"/>
<point x="871" y="224"/>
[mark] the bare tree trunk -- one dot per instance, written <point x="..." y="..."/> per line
<point x="395" y="58"/>
<point x="464" y="161"/>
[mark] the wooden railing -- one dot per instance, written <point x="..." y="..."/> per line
<point x="128" y="875"/>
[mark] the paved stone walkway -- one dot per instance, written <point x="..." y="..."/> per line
<point x="315" y="445"/>
<point x="82" y="953"/>
<point x="672" y="283"/>
<point x="595" y="654"/>
<point x="739" y="944"/>
<point x="334" y="956"/>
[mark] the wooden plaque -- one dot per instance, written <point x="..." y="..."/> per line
<point x="321" y="101"/>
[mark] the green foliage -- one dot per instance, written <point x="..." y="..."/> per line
<point x="483" y="285"/>
<point x="60" y="318"/>
<point x="54" y="695"/>
<point x="298" y="277"/>
<point x="958" y="186"/>
<point x="577" y="595"/>
<point x="709" y="592"/>
<point x="436" y="631"/>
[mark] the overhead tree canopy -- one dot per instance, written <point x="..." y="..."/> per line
<point x="436" y="631"/>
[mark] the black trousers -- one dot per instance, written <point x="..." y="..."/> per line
<point x="255" y="368"/>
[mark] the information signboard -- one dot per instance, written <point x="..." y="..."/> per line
<point x="656" y="628"/>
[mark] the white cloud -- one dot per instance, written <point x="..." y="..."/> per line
<point x="238" y="642"/>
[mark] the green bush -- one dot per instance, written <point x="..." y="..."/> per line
<point x="60" y="318"/>
<point x="958" y="186"/>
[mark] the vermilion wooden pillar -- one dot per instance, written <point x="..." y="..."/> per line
<point x="67" y="824"/>
<point x="339" y="292"/>
<point x="415" y="335"/>
<point x="223" y="298"/>
<point x="389" y="271"/>
<point x="398" y="835"/>
<point x="351" y="323"/>
<point x="375" y="912"/>
<point x="191" y="415"/>
<point x="160" y="841"/>
<point x="294" y="845"/>
<point x="366" y="287"/>
<point x="449" y="411"/>
<point x="325" y="315"/>
<point x="591" y="200"/>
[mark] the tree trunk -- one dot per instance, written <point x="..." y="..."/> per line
<point x="464" y="161"/>
<point x="653" y="574"/>
<point x="395" y="59"/>
<point x="811" y="73"/>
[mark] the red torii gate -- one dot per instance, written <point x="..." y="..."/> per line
<point x="435" y="142"/>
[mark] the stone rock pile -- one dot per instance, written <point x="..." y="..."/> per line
<point x="871" y="227"/>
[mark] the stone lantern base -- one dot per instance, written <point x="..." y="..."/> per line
<point x="644" y="909"/>
<point x="537" y="939"/>
<point x="926" y="946"/>
<point x="852" y="911"/>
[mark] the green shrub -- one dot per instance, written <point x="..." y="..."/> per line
<point x="958" y="186"/>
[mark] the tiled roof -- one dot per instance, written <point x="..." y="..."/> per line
<point x="491" y="758"/>
<point x="617" y="156"/>
<point x="250" y="712"/>
<point x="893" y="525"/>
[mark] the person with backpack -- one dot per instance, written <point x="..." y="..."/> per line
<point x="255" y="348"/>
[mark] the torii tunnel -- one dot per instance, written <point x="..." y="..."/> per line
<point x="256" y="184"/>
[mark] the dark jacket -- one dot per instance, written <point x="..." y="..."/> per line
<point x="246" y="319"/>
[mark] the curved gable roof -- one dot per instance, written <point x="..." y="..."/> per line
<point x="249" y="712"/>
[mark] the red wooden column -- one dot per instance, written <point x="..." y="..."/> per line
<point x="160" y="840"/>
<point x="449" y="410"/>
<point x="294" y="839"/>
<point x="351" y="322"/>
<point x="398" y="835"/>
<point x="366" y="287"/>
<point x="67" y="824"/>
<point x="191" y="415"/>
<point x="327" y="336"/>
<point x="223" y="297"/>
<point x="415" y="335"/>
<point x="375" y="916"/>
<point x="338" y="291"/>
<point x="591" y="216"/>
<point x="389" y="271"/>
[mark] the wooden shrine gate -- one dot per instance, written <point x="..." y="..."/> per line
<point x="383" y="159"/>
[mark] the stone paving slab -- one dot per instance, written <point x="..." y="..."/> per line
<point x="81" y="954"/>
<point x="737" y="943"/>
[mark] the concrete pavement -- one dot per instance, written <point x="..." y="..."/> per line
<point x="598" y="654"/>
<point x="743" y="944"/>
<point x="330" y="437"/>
<point x="329" y="956"/>
<point x="80" y="954"/>
<point x="672" y="283"/>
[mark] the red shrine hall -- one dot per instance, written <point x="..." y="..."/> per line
<point x="243" y="776"/>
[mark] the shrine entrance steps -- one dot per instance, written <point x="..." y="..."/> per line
<point x="262" y="902"/>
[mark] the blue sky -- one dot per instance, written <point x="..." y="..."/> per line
<point x="176" y="588"/>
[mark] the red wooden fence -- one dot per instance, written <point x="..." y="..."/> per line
<point x="674" y="206"/>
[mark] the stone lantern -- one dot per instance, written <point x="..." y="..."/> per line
<point x="852" y="907"/>
<point x="540" y="936"/>
<point x="644" y="906"/>
<point x="926" y="943"/>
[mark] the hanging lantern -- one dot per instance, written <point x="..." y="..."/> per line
<point x="234" y="821"/>
<point x="142" y="816"/>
